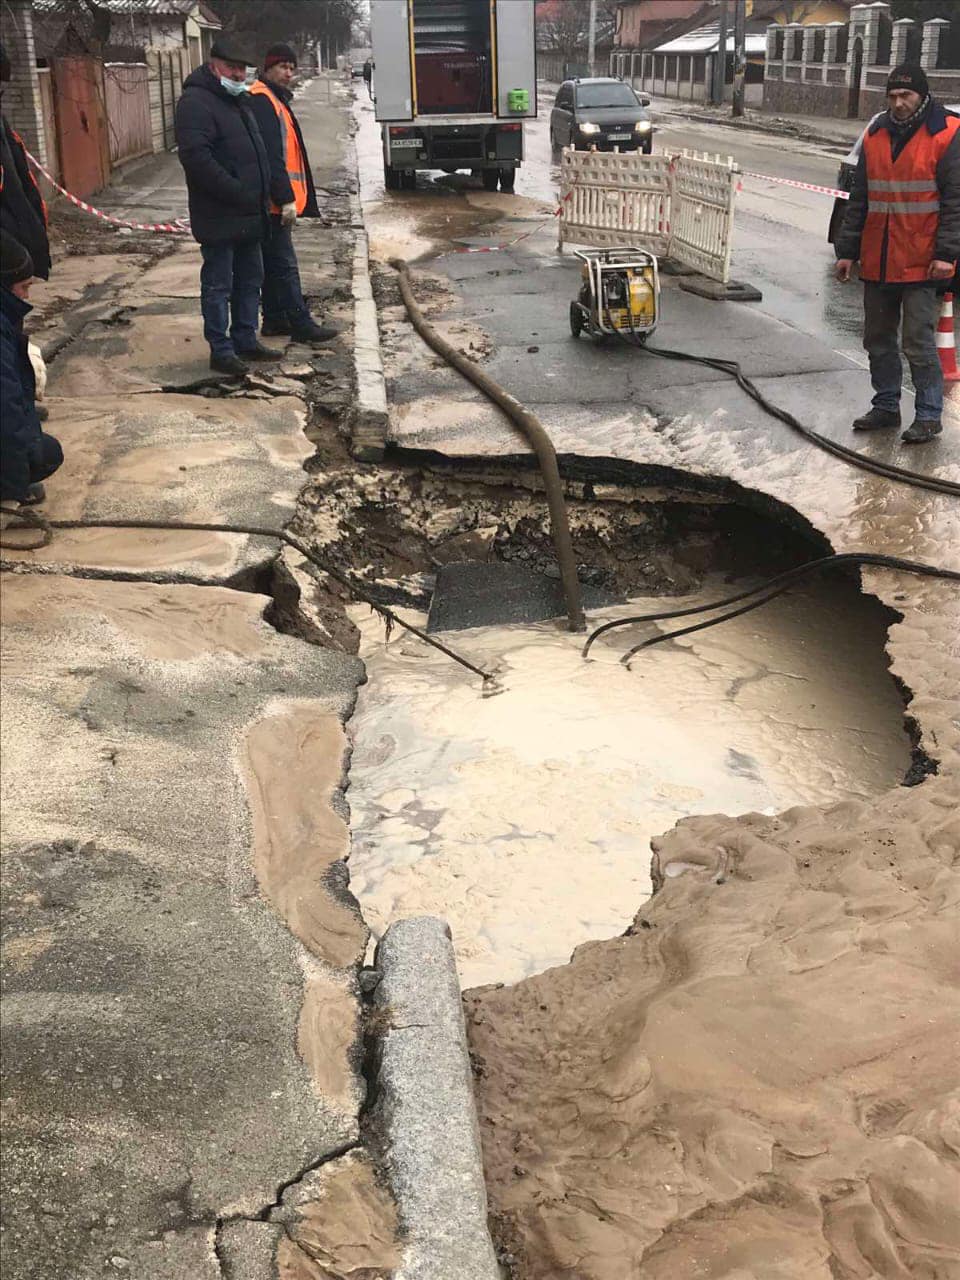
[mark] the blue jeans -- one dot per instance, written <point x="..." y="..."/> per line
<point x="282" y="291"/>
<point x="230" y="281"/>
<point x="920" y="308"/>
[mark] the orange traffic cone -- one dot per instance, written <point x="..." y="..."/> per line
<point x="947" y="341"/>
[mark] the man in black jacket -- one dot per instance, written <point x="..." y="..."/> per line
<point x="23" y="214"/>
<point x="292" y="196"/>
<point x="228" y="182"/>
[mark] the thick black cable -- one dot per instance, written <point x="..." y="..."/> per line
<point x="780" y="583"/>
<point x="788" y="576"/>
<point x="699" y="626"/>
<point x="35" y="521"/>
<point x="733" y="369"/>
<point x="875" y="465"/>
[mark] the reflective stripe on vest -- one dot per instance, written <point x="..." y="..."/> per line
<point x="292" y="155"/>
<point x="903" y="206"/>
<point x="899" y="236"/>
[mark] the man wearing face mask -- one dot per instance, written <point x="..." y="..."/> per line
<point x="228" y="182"/>
<point x="292" y="196"/>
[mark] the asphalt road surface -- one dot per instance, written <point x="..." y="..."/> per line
<point x="780" y="242"/>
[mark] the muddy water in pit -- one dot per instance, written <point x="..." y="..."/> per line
<point x="525" y="818"/>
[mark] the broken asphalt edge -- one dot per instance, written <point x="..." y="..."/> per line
<point x="368" y="417"/>
<point x="424" y="1106"/>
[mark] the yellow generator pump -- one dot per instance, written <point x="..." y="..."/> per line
<point x="619" y="293"/>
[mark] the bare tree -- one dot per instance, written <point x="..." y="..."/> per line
<point x="562" y="26"/>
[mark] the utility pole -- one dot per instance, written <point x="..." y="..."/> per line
<point x="739" y="55"/>
<point x="721" y="77"/>
<point x="592" y="38"/>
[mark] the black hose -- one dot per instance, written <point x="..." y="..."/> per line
<point x="732" y="367"/>
<point x="532" y="429"/>
<point x="33" y="520"/>
<point x="779" y="584"/>
<point x="885" y="469"/>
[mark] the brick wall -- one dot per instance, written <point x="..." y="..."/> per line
<point x="22" y="104"/>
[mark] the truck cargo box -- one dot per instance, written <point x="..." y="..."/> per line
<point x="452" y="82"/>
<point x="453" y="58"/>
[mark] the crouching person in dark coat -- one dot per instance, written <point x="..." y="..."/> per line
<point x="27" y="454"/>
<point x="228" y="182"/>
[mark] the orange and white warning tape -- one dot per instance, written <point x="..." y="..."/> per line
<point x="801" y="186"/>
<point x="180" y="227"/>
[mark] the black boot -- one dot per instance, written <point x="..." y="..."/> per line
<point x="877" y="420"/>
<point x="35" y="493"/>
<point x="229" y="364"/>
<point x="43" y="413"/>
<point x="310" y="331"/>
<point x="260" y="352"/>
<point x="275" y="328"/>
<point x="921" y="431"/>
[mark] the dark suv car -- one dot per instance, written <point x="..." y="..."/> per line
<point x="602" y="113"/>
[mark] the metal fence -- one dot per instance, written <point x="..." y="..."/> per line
<point x="81" y="124"/>
<point x="681" y="206"/>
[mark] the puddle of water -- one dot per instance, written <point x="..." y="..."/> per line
<point x="525" y="819"/>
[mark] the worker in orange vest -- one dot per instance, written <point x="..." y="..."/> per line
<point x="903" y="224"/>
<point x="292" y="196"/>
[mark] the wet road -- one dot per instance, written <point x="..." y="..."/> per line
<point x="780" y="240"/>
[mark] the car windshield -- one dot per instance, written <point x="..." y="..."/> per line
<point x="605" y="95"/>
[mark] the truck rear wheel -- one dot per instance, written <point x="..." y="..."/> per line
<point x="391" y="177"/>
<point x="508" y="177"/>
<point x="491" y="178"/>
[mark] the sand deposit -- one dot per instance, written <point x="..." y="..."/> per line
<point x="759" y="1079"/>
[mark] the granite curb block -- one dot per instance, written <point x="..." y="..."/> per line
<point x="841" y="144"/>
<point x="368" y="418"/>
<point x="425" y="1107"/>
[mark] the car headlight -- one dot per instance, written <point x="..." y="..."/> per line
<point x="643" y="126"/>
<point x="587" y="126"/>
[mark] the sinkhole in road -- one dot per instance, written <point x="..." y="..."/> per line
<point x="526" y="818"/>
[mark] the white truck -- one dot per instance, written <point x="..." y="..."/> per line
<point x="452" y="83"/>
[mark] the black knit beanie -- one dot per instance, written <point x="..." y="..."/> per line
<point x="908" y="76"/>
<point x="15" y="262"/>
<point x="278" y="53"/>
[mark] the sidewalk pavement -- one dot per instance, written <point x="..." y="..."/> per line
<point x="182" y="1028"/>
<point x="827" y="130"/>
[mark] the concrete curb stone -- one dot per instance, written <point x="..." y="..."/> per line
<point x="368" y="418"/>
<point x="425" y="1107"/>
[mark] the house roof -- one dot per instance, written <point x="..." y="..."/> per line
<point x="153" y="8"/>
<point x="706" y="39"/>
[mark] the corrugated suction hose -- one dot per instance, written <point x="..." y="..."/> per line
<point x="532" y="429"/>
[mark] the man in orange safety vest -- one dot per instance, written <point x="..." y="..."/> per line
<point x="292" y="196"/>
<point x="903" y="225"/>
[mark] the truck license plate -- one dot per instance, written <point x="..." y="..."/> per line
<point x="618" y="137"/>
<point x="397" y="143"/>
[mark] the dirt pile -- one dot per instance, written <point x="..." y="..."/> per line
<point x="757" y="1079"/>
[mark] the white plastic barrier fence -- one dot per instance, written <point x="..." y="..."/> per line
<point x="702" y="196"/>
<point x="678" y="206"/>
<point x="608" y="198"/>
